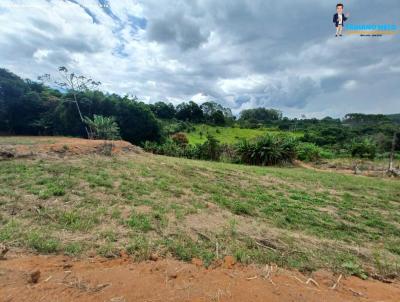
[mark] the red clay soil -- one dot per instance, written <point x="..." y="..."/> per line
<point x="63" y="146"/>
<point x="59" y="278"/>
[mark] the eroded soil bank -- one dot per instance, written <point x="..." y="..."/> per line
<point x="60" y="278"/>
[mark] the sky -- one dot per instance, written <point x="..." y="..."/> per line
<point x="240" y="53"/>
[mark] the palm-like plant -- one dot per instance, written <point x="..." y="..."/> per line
<point x="268" y="150"/>
<point x="103" y="127"/>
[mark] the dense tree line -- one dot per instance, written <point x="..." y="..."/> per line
<point x="32" y="108"/>
<point x="371" y="133"/>
<point x="209" y="112"/>
<point x="254" y="118"/>
<point x="353" y="130"/>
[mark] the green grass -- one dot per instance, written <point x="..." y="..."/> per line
<point x="39" y="241"/>
<point x="228" y="135"/>
<point x="295" y="217"/>
<point x="140" y="222"/>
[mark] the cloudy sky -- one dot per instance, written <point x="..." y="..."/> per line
<point x="241" y="53"/>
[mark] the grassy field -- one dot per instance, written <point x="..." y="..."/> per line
<point x="143" y="204"/>
<point x="229" y="135"/>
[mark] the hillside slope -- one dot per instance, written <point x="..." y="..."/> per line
<point x="145" y="204"/>
<point x="394" y="117"/>
<point x="228" y="135"/>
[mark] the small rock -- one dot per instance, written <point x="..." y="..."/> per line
<point x="210" y="205"/>
<point x="229" y="262"/>
<point x="34" y="277"/>
<point x="92" y="254"/>
<point x="172" y="274"/>
<point x="153" y="257"/>
<point x="3" y="251"/>
<point x="123" y="254"/>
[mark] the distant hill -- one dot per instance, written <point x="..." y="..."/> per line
<point x="227" y="135"/>
<point x="394" y="117"/>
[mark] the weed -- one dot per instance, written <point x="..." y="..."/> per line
<point x="10" y="231"/>
<point x="355" y="269"/>
<point x="139" y="248"/>
<point x="140" y="222"/>
<point x="76" y="220"/>
<point x="73" y="248"/>
<point x="42" y="243"/>
<point x="184" y="248"/>
<point x="108" y="250"/>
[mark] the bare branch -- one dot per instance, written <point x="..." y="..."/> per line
<point x="75" y="84"/>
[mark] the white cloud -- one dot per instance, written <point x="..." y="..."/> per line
<point x="41" y="54"/>
<point x="242" y="53"/>
<point x="350" y="85"/>
<point x="200" y="98"/>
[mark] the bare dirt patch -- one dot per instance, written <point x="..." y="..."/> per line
<point x="45" y="146"/>
<point x="350" y="167"/>
<point x="96" y="279"/>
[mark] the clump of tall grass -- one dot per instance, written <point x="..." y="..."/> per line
<point x="268" y="150"/>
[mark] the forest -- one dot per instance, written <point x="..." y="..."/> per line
<point x="72" y="107"/>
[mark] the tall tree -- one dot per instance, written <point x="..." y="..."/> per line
<point x="75" y="84"/>
<point x="260" y="116"/>
<point x="163" y="110"/>
<point x="189" y="112"/>
<point x="215" y="113"/>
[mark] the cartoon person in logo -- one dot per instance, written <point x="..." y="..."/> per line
<point x="339" y="18"/>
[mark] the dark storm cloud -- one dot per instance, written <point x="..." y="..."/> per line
<point x="243" y="53"/>
<point x="271" y="37"/>
<point x="176" y="29"/>
<point x="299" y="90"/>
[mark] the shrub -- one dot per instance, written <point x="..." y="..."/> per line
<point x="364" y="148"/>
<point x="149" y="146"/>
<point x="169" y="148"/>
<point x="229" y="154"/>
<point x="268" y="150"/>
<point x="103" y="127"/>
<point x="180" y="139"/>
<point x="309" y="152"/>
<point x="176" y="126"/>
<point x="209" y="150"/>
<point x="327" y="154"/>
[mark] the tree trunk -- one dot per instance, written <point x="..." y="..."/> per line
<point x="80" y="115"/>
<point x="391" y="168"/>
